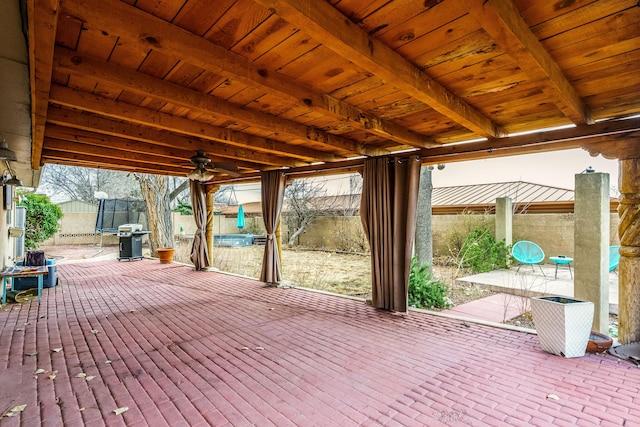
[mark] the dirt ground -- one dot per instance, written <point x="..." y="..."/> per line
<point x="342" y="273"/>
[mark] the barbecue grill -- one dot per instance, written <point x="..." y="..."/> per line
<point x="130" y="238"/>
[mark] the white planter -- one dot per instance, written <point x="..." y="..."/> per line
<point x="563" y="324"/>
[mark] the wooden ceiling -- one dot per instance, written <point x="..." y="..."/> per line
<point x="316" y="86"/>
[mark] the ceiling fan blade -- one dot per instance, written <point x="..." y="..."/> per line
<point x="229" y="168"/>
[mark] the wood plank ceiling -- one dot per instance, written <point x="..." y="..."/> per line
<point x="314" y="85"/>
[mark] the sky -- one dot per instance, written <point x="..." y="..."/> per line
<point x="555" y="169"/>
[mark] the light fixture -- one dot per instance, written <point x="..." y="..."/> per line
<point x="200" y="174"/>
<point x="9" y="176"/>
<point x="5" y="153"/>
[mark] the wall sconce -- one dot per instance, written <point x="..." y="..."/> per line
<point x="8" y="179"/>
<point x="9" y="176"/>
<point x="5" y="153"/>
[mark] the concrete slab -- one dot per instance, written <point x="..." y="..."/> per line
<point x="531" y="282"/>
<point x="495" y="308"/>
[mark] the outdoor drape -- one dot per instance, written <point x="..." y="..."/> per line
<point x="273" y="183"/>
<point x="388" y="213"/>
<point x="199" y="253"/>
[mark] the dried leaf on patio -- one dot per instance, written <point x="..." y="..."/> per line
<point x="39" y="371"/>
<point x="271" y="308"/>
<point x="243" y="348"/>
<point x="19" y="329"/>
<point x="53" y="375"/>
<point x="94" y="331"/>
<point x="33" y="353"/>
<point x="81" y="409"/>
<point x="259" y="348"/>
<point x="56" y="350"/>
<point x="12" y="412"/>
<point x="552" y="397"/>
<point x="89" y="377"/>
<point x="27" y="323"/>
<point x="81" y="375"/>
<point x="120" y="410"/>
<point x="108" y="362"/>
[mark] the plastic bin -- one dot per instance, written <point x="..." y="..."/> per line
<point x="49" y="280"/>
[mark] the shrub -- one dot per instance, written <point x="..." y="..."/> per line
<point x="183" y="208"/>
<point x="480" y="252"/>
<point x="42" y="219"/>
<point x="424" y="290"/>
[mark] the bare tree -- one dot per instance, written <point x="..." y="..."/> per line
<point x="76" y="183"/>
<point x="156" y="193"/>
<point x="305" y="199"/>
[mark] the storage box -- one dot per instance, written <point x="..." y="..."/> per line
<point x="49" y="279"/>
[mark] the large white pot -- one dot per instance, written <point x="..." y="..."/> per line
<point x="563" y="324"/>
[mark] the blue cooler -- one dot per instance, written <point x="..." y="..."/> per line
<point x="49" y="280"/>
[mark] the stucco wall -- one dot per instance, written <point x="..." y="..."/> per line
<point x="553" y="232"/>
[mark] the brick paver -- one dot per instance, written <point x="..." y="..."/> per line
<point x="179" y="347"/>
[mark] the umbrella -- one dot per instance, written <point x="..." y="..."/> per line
<point x="240" y="217"/>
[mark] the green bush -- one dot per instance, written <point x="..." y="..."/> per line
<point x="424" y="290"/>
<point x="42" y="219"/>
<point x="480" y="252"/>
<point x="183" y="208"/>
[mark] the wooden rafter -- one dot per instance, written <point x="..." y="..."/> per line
<point x="146" y="32"/>
<point x="162" y="140"/>
<point x="320" y="19"/>
<point x="68" y="61"/>
<point x="42" y="30"/>
<point x="107" y="107"/>
<point x="502" y="21"/>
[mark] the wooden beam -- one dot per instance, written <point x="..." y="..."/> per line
<point x="83" y="66"/>
<point x="162" y="139"/>
<point x="107" y="107"/>
<point x="103" y="159"/>
<point x="336" y="32"/>
<point x="178" y="157"/>
<point x="554" y="140"/>
<point x="42" y="25"/>
<point x="145" y="31"/>
<point x="502" y="21"/>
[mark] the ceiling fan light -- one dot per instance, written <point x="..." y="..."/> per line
<point x="200" y="174"/>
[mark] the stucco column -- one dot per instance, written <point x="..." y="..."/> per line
<point x="504" y="220"/>
<point x="591" y="246"/>
<point x="629" y="267"/>
<point x="211" y="191"/>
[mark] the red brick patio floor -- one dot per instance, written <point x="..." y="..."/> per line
<point x="185" y="348"/>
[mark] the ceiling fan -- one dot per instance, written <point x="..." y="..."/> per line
<point x="205" y="168"/>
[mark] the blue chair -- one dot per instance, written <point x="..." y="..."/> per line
<point x="614" y="257"/>
<point x="528" y="253"/>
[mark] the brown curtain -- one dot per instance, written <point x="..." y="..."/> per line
<point x="199" y="253"/>
<point x="273" y="183"/>
<point x="388" y="213"/>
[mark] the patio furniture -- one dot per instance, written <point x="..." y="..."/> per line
<point x="614" y="257"/>
<point x="18" y="271"/>
<point x="562" y="260"/>
<point x="528" y="253"/>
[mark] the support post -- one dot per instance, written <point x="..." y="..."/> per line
<point x="504" y="220"/>
<point x="629" y="266"/>
<point x="211" y="190"/>
<point x="591" y="247"/>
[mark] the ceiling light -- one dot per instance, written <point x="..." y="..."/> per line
<point x="5" y="153"/>
<point x="200" y="174"/>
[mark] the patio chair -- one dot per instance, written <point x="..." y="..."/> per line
<point x="614" y="258"/>
<point x="528" y="253"/>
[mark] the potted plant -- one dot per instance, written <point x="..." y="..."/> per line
<point x="563" y="324"/>
<point x="165" y="255"/>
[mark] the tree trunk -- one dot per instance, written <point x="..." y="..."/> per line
<point x="424" y="237"/>
<point x="157" y="195"/>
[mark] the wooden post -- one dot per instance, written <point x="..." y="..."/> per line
<point x="629" y="267"/>
<point x="211" y="190"/>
